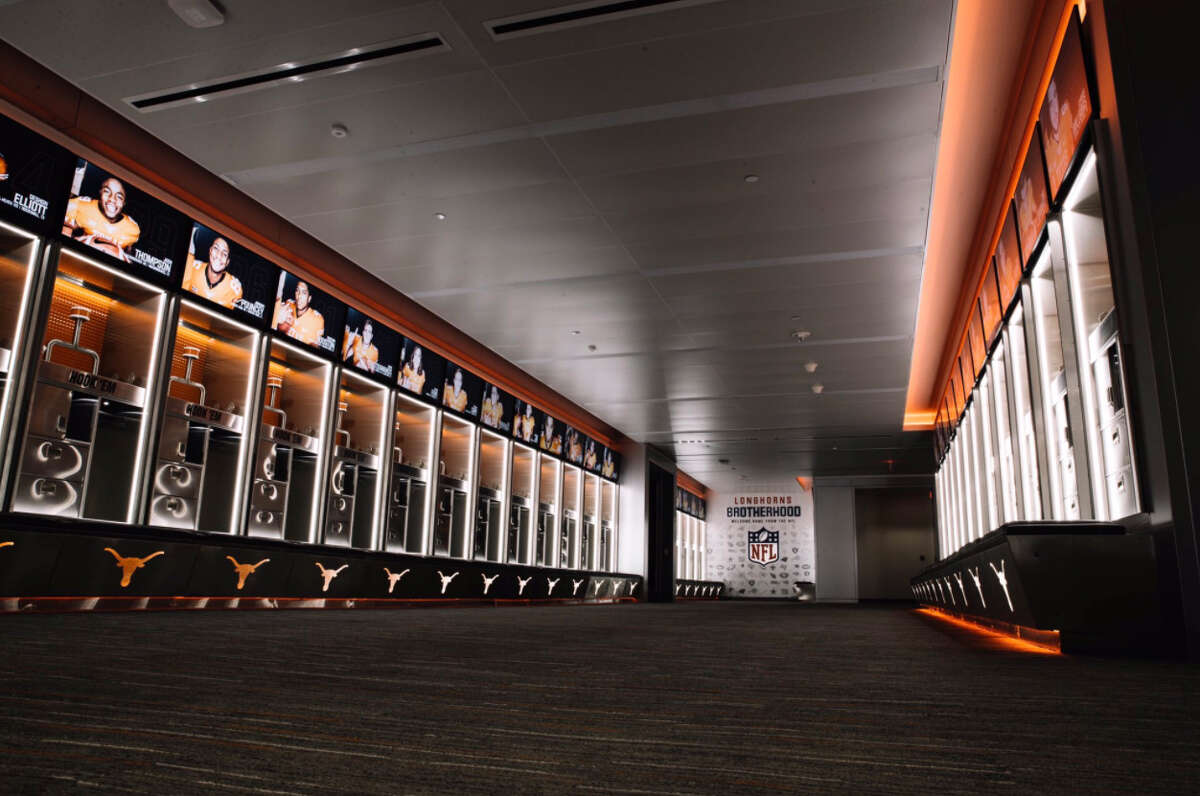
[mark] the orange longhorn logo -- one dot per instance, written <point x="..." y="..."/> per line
<point x="393" y="578"/>
<point x="130" y="564"/>
<point x="7" y="544"/>
<point x="329" y="574"/>
<point x="245" y="570"/>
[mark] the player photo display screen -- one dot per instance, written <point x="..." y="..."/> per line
<point x="550" y="437"/>
<point x="1066" y="110"/>
<point x="369" y="346"/>
<point x="527" y="422"/>
<point x="461" y="390"/>
<point x="229" y="275"/>
<point x="421" y="370"/>
<point x="108" y="215"/>
<point x="306" y="314"/>
<point x="610" y="466"/>
<point x="496" y="410"/>
<point x="593" y="455"/>
<point x="1008" y="260"/>
<point x="1032" y="200"/>
<point x="573" y="445"/>
<point x="33" y="172"/>
<point x="989" y="305"/>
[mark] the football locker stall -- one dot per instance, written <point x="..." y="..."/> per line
<point x="181" y="416"/>
<point x="691" y="542"/>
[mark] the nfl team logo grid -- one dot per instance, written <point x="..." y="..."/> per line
<point x="762" y="546"/>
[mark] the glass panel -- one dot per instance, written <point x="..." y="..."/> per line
<point x="1100" y="363"/>
<point x="988" y="470"/>
<point x="198" y="472"/>
<point x="287" y="470"/>
<point x="591" y="523"/>
<point x="452" y="515"/>
<point x="412" y="446"/>
<point x="608" y="526"/>
<point x="86" y="426"/>
<point x="1031" y="487"/>
<point x="1064" y="489"/>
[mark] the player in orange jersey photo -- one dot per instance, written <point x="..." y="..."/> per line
<point x="211" y="279"/>
<point x="101" y="223"/>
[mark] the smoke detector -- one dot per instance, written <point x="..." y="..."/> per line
<point x="818" y="388"/>
<point x="339" y="130"/>
<point x="811" y="367"/>
<point x="801" y="334"/>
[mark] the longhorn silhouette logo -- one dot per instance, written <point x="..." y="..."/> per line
<point x="487" y="582"/>
<point x="632" y="588"/>
<point x="1000" y="576"/>
<point x="446" y="580"/>
<point x="7" y="544"/>
<point x="938" y="584"/>
<point x="950" y="591"/>
<point x="393" y="578"/>
<point x="329" y="574"/>
<point x="521" y="584"/>
<point x="979" y="588"/>
<point x="575" y="584"/>
<point x="245" y="570"/>
<point x="550" y="584"/>
<point x="131" y="564"/>
<point x="958" y="577"/>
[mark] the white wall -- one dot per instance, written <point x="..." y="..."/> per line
<point x="836" y="541"/>
<point x="727" y="542"/>
<point x="631" y="511"/>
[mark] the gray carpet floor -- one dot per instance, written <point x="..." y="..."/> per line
<point x="691" y="698"/>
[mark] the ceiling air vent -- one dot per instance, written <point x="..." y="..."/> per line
<point x="294" y="72"/>
<point x="580" y="14"/>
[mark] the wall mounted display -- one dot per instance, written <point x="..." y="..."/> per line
<point x="306" y="314"/>
<point x="610" y="468"/>
<point x="229" y="275"/>
<point x="1066" y="110"/>
<point x="107" y="214"/>
<point x="421" y="370"/>
<point x="1008" y="259"/>
<point x="527" y="426"/>
<point x="989" y="305"/>
<point x="369" y="346"/>
<point x="573" y="443"/>
<point x="33" y="172"/>
<point x="1032" y="199"/>
<point x="592" y="455"/>
<point x="462" y="390"/>
<point x="978" y="341"/>
<point x="550" y="438"/>
<point x="497" y="409"/>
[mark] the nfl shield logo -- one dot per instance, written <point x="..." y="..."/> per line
<point x="763" y="546"/>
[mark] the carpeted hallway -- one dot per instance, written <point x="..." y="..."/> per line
<point x="690" y="698"/>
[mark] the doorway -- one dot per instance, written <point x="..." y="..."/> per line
<point x="896" y="539"/>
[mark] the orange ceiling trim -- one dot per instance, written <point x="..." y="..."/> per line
<point x="1003" y="181"/>
<point x="58" y="110"/>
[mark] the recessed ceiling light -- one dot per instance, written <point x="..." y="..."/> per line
<point x="751" y="178"/>
<point x="576" y="331"/>
<point x="440" y="216"/>
<point x="811" y="367"/>
<point x="818" y="388"/>
<point x="591" y="347"/>
<point x="801" y="334"/>
<point x="339" y="130"/>
<point x="197" y="13"/>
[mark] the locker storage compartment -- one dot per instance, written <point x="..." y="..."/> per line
<point x="520" y="515"/>
<point x="490" y="532"/>
<point x="568" y="539"/>
<point x="549" y="472"/>
<point x="86" y="422"/>
<point x="285" y="494"/>
<point x="1110" y="450"/>
<point x="17" y="253"/>
<point x="452" y="515"/>
<point x="589" y="536"/>
<point x="412" y="443"/>
<point x="353" y="480"/>
<point x="195" y="483"/>
<point x="608" y="527"/>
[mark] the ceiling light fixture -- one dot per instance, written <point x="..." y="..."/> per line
<point x="339" y="130"/>
<point x="751" y="178"/>
<point x="576" y="331"/>
<point x="440" y="216"/>
<point x="811" y="367"/>
<point x="801" y="334"/>
<point x="197" y="13"/>
<point x="818" y="388"/>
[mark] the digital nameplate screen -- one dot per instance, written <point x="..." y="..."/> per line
<point x="33" y="173"/>
<point x="229" y="275"/>
<point x="1066" y="110"/>
<point x="497" y="409"/>
<point x="369" y="346"/>
<point x="108" y="215"/>
<point x="462" y="390"/>
<point x="421" y="371"/>
<point x="306" y="314"/>
<point x="1033" y="203"/>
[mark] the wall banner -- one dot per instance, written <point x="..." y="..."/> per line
<point x="760" y="540"/>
